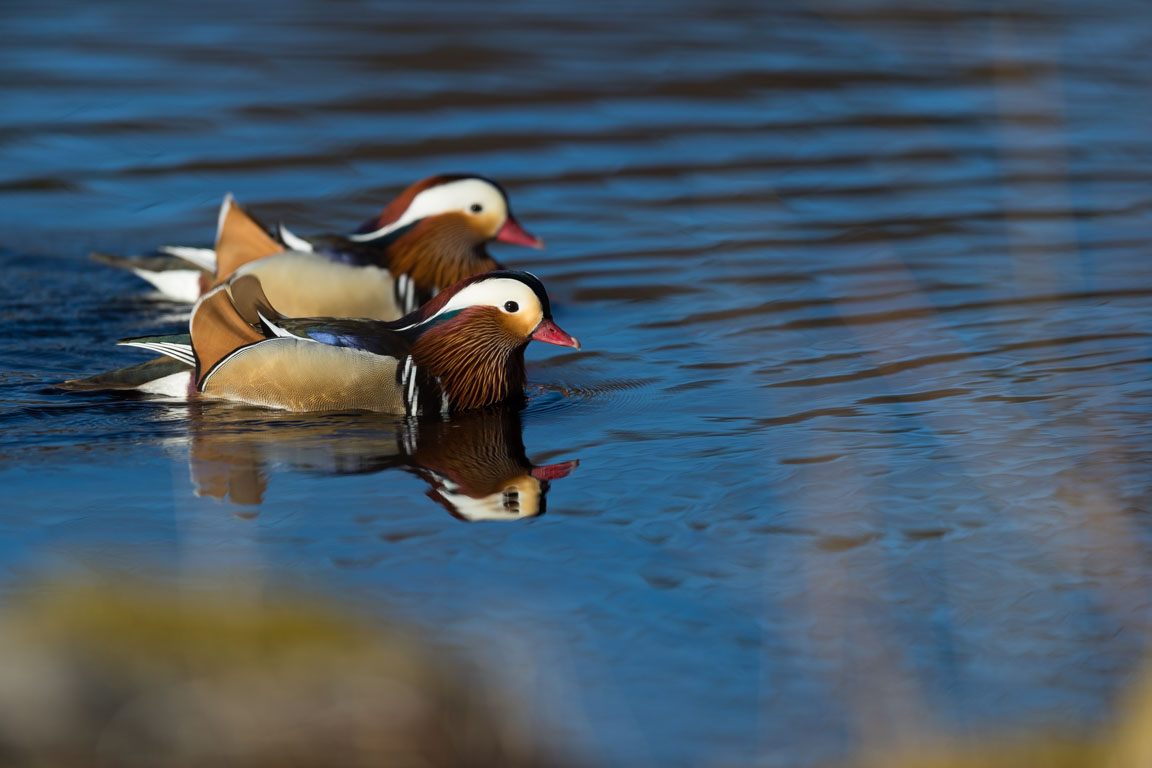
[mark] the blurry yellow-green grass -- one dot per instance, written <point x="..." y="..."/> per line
<point x="131" y="676"/>
<point x="125" y="675"/>
<point x="1126" y="744"/>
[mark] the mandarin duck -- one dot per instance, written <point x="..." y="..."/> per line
<point x="462" y="350"/>
<point x="475" y="463"/>
<point x="431" y="236"/>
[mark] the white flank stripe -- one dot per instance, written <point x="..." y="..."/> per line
<point x="280" y="331"/>
<point x="293" y="241"/>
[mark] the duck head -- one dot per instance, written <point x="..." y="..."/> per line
<point x="472" y="336"/>
<point x="475" y="205"/>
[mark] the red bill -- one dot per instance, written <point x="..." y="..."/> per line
<point x="513" y="233"/>
<point x="550" y="333"/>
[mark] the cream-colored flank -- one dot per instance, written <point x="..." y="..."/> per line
<point x="298" y="375"/>
<point x="307" y="285"/>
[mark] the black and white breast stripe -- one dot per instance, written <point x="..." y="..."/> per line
<point x="406" y="293"/>
<point x="420" y="392"/>
<point x="408" y="389"/>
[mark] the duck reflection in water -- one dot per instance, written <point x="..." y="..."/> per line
<point x="474" y="462"/>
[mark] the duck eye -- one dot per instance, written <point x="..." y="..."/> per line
<point x="476" y="208"/>
<point x="511" y="306"/>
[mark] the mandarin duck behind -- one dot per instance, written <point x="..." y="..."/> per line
<point x="431" y="236"/>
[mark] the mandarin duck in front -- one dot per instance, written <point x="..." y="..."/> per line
<point x="431" y="236"/>
<point x="462" y="350"/>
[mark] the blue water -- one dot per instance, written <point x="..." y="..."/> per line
<point x="862" y="416"/>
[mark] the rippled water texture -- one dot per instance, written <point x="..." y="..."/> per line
<point x="862" y="421"/>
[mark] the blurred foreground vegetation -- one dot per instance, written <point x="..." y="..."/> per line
<point x="128" y="675"/>
<point x="1127" y="743"/>
<point x="137" y="676"/>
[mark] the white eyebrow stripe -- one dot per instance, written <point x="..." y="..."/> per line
<point x="450" y="196"/>
<point x="491" y="292"/>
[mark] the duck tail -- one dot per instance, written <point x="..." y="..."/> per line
<point x="132" y="378"/>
